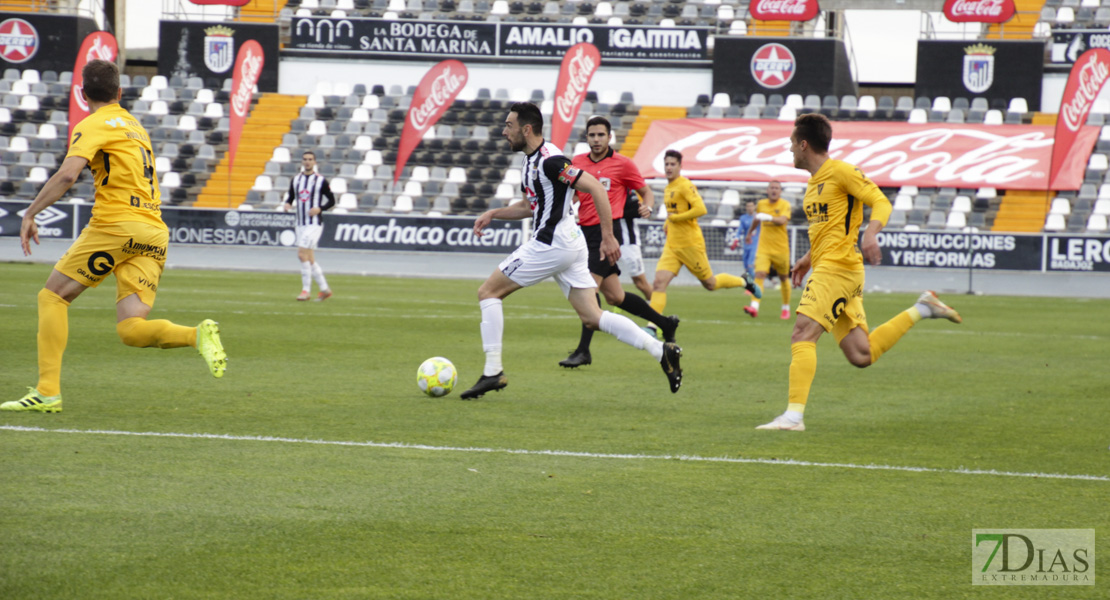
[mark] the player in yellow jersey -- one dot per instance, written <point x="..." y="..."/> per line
<point x="126" y="235"/>
<point x="771" y="217"/>
<point x="832" y="300"/>
<point x="685" y="245"/>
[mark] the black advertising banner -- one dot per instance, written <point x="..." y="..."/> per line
<point x="208" y="49"/>
<point x="398" y="39"/>
<point x="524" y="42"/>
<point x="55" y="221"/>
<point x="1077" y="253"/>
<point x="937" y="249"/>
<point x="991" y="69"/>
<point x="424" y="234"/>
<point x="746" y="65"/>
<point x="1069" y="44"/>
<point x="230" y="227"/>
<point x="44" y="42"/>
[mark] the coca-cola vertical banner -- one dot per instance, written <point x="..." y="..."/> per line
<point x="437" y="90"/>
<point x="248" y="66"/>
<point x="979" y="11"/>
<point x="1087" y="77"/>
<point x="97" y="46"/>
<point x="783" y="10"/>
<point x="579" y="65"/>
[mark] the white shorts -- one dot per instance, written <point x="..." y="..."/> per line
<point x="631" y="260"/>
<point x="535" y="261"/>
<point x="308" y="236"/>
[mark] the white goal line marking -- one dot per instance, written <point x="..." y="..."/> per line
<point x="563" y="453"/>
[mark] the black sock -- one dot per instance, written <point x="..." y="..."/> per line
<point x="636" y="305"/>
<point x="587" y="333"/>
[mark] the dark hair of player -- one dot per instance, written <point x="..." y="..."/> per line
<point x="815" y="130"/>
<point x="675" y="154"/>
<point x="528" y="114"/>
<point x="101" y="80"/>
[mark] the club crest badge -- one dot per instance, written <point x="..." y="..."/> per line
<point x="219" y="48"/>
<point x="979" y="68"/>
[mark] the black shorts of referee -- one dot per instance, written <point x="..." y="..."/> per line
<point x="599" y="266"/>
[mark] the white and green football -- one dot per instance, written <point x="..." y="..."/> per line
<point x="436" y="377"/>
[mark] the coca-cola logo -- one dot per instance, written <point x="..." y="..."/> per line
<point x="442" y="90"/>
<point x="959" y="156"/>
<point x="580" y="70"/>
<point x="784" y="10"/>
<point x="251" y="69"/>
<point x="1090" y="77"/>
<point x="979" y="11"/>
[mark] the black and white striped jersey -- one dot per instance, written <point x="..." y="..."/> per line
<point x="307" y="192"/>
<point x="630" y="233"/>
<point x="547" y="180"/>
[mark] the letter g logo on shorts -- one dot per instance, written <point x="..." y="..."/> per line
<point x="838" y="307"/>
<point x="103" y="266"/>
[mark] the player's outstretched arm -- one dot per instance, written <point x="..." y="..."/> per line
<point x="513" y="212"/>
<point x="50" y="193"/>
<point x="798" y="273"/>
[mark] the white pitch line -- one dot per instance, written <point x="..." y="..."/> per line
<point x="566" y="453"/>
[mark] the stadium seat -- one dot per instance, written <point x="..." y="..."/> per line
<point x="918" y="116"/>
<point x="1060" y="206"/>
<point x="903" y="202"/>
<point x="956" y="220"/>
<point x="1055" y="222"/>
<point x="263" y="183"/>
<point x="961" y="204"/>
<point x="1096" y="223"/>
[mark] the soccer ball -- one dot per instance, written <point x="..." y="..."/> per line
<point x="436" y="376"/>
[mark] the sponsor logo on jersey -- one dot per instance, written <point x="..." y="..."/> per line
<point x="19" y="41"/>
<point x="773" y="65"/>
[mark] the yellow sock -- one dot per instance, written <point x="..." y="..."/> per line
<point x="785" y="292"/>
<point x="759" y="284"/>
<point x="159" y="333"/>
<point x="52" y="337"/>
<point x="725" y="281"/>
<point x="886" y="335"/>
<point x="803" y="367"/>
<point x="658" y="301"/>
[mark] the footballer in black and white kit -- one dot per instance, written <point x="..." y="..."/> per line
<point x="557" y="249"/>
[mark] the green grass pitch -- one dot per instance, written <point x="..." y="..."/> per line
<point x="595" y="503"/>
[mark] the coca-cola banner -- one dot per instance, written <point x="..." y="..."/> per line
<point x="208" y="49"/>
<point x="437" y="90"/>
<point x="890" y="153"/>
<point x="746" y="65"/>
<point x="978" y="11"/>
<point x="496" y="42"/>
<point x="97" y="46"/>
<point x="248" y="66"/>
<point x="783" y="10"/>
<point x="996" y="70"/>
<point x="579" y="66"/>
<point x="1069" y="44"/>
<point x="1087" y="77"/>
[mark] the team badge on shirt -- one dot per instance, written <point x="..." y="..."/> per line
<point x="569" y="174"/>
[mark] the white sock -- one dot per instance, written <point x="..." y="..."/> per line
<point x="493" y="326"/>
<point x="306" y="276"/>
<point x="625" y="330"/>
<point x="755" y="304"/>
<point x="924" y="309"/>
<point x="793" y="416"/>
<point x="318" y="274"/>
<point x="786" y="307"/>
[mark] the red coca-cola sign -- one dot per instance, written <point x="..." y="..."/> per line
<point x="579" y="65"/>
<point x="1088" y="76"/>
<point x="437" y="90"/>
<point x="783" y="10"/>
<point x="248" y="67"/>
<point x="979" y="11"/>
<point x="892" y="154"/>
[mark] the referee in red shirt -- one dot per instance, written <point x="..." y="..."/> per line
<point x="619" y="175"/>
